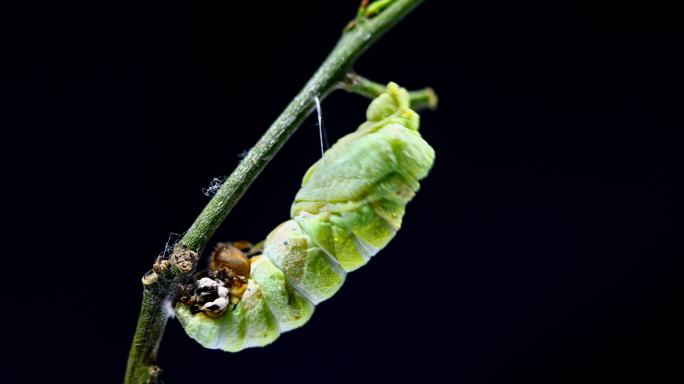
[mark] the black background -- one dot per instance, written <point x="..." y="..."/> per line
<point x="541" y="249"/>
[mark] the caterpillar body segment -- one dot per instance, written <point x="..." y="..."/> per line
<point x="350" y="205"/>
<point x="308" y="269"/>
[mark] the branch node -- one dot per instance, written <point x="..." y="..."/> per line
<point x="161" y="266"/>
<point x="150" y="278"/>
<point x="184" y="259"/>
<point x="154" y="372"/>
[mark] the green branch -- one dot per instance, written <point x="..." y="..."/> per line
<point x="162" y="282"/>
<point x="354" y="42"/>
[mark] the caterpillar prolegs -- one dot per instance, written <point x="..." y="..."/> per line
<point x="350" y="205"/>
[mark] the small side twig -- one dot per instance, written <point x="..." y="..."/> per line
<point x="425" y="98"/>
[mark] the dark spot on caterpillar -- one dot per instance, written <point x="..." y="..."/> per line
<point x="285" y="242"/>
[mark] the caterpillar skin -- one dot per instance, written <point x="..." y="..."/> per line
<point x="349" y="207"/>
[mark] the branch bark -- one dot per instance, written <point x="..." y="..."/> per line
<point x="162" y="282"/>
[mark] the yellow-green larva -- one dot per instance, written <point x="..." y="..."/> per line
<point x="349" y="207"/>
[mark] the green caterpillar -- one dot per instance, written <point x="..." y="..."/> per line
<point x="349" y="207"/>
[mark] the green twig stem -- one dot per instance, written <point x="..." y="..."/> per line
<point x="425" y="98"/>
<point x="162" y="282"/>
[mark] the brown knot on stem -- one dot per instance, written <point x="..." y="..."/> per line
<point x="150" y="277"/>
<point x="183" y="258"/>
<point x="161" y="265"/>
